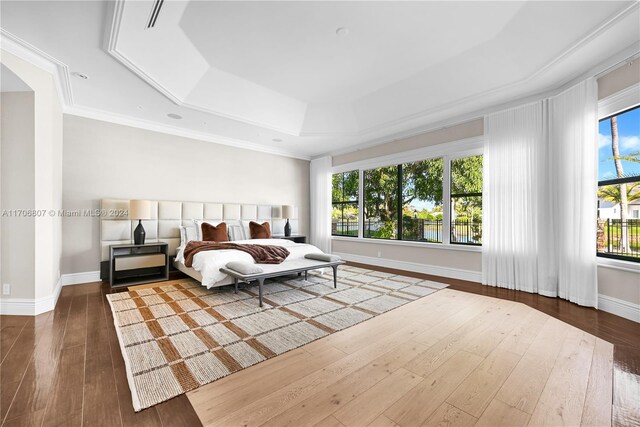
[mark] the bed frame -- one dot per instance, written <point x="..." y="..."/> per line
<point x="168" y="216"/>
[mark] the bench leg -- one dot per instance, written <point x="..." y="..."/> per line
<point x="305" y="275"/>
<point x="235" y="282"/>
<point x="260" y="283"/>
<point x="335" y="276"/>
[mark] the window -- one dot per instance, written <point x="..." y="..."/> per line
<point x="381" y="203"/>
<point x="436" y="199"/>
<point x="619" y="186"/>
<point x="466" y="200"/>
<point x="404" y="202"/>
<point x="344" y="216"/>
<point x="422" y="201"/>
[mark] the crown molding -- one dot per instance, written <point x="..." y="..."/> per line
<point x="20" y="48"/>
<point x="606" y="66"/>
<point x="425" y="116"/>
<point x="60" y="71"/>
<point x="61" y="77"/>
<point x="111" y="47"/>
<point x="119" y="119"/>
<point x="510" y="87"/>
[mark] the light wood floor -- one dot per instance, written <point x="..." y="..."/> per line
<point x="452" y="358"/>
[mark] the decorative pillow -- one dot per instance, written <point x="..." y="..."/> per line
<point x="212" y="233"/>
<point x="198" y="224"/>
<point x="244" y="268"/>
<point x="260" y="231"/>
<point x="187" y="234"/>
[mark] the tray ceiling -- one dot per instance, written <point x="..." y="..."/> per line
<point x="305" y="78"/>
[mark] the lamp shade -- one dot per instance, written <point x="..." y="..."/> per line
<point x="287" y="211"/>
<point x="139" y="209"/>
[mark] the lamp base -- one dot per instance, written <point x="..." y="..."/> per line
<point x="139" y="234"/>
<point x="287" y="229"/>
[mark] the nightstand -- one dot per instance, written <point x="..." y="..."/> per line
<point x="294" y="238"/>
<point x="137" y="264"/>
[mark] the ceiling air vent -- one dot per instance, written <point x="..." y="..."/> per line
<point x="157" y="5"/>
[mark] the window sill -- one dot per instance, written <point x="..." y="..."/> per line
<point x="618" y="264"/>
<point x="442" y="246"/>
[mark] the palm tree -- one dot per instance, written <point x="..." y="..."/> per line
<point x="611" y="193"/>
<point x="624" y="242"/>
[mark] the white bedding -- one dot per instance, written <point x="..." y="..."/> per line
<point x="209" y="263"/>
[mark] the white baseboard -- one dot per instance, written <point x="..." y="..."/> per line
<point x="619" y="307"/>
<point x="435" y="270"/>
<point x="78" y="278"/>
<point x="28" y="306"/>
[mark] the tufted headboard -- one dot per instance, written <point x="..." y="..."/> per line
<point x="167" y="216"/>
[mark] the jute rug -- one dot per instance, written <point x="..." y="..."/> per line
<point x="179" y="336"/>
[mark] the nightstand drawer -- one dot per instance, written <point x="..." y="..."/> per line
<point x="140" y="261"/>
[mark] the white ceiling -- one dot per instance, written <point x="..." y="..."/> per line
<point x="276" y="75"/>
<point x="9" y="82"/>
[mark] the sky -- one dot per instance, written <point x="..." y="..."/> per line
<point x="629" y="141"/>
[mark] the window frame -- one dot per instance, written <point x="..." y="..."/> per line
<point x="449" y="151"/>
<point x="451" y="159"/>
<point x="347" y="202"/>
<point x="618" y="103"/>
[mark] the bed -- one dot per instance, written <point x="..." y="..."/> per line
<point x="169" y="217"/>
<point x="207" y="265"/>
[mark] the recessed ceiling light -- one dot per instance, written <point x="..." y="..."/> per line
<point x="276" y="140"/>
<point x="342" y="32"/>
<point x="174" y="116"/>
<point x="79" y="75"/>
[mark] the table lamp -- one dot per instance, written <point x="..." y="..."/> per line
<point x="287" y="212"/>
<point x="139" y="209"/>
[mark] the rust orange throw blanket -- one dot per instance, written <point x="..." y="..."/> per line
<point x="262" y="254"/>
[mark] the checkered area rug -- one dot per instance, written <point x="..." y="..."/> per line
<point x="179" y="336"/>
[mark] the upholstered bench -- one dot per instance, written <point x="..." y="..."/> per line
<point x="246" y="272"/>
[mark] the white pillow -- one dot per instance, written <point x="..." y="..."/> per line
<point x="246" y="229"/>
<point x="187" y="234"/>
<point x="236" y="231"/>
<point x="198" y="226"/>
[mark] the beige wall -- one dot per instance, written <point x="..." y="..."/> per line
<point x="452" y="133"/>
<point x="18" y="188"/>
<point x="106" y="160"/>
<point x="620" y="284"/>
<point x="618" y="79"/>
<point x="47" y="171"/>
<point x="457" y="259"/>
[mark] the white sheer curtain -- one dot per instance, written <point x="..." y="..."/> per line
<point x="539" y="194"/>
<point x="574" y="121"/>
<point x="320" y="198"/>
<point x="513" y="153"/>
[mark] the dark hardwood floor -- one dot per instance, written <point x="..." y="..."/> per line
<point x="64" y="368"/>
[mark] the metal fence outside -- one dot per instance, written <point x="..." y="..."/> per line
<point x="619" y="239"/>
<point x="414" y="229"/>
